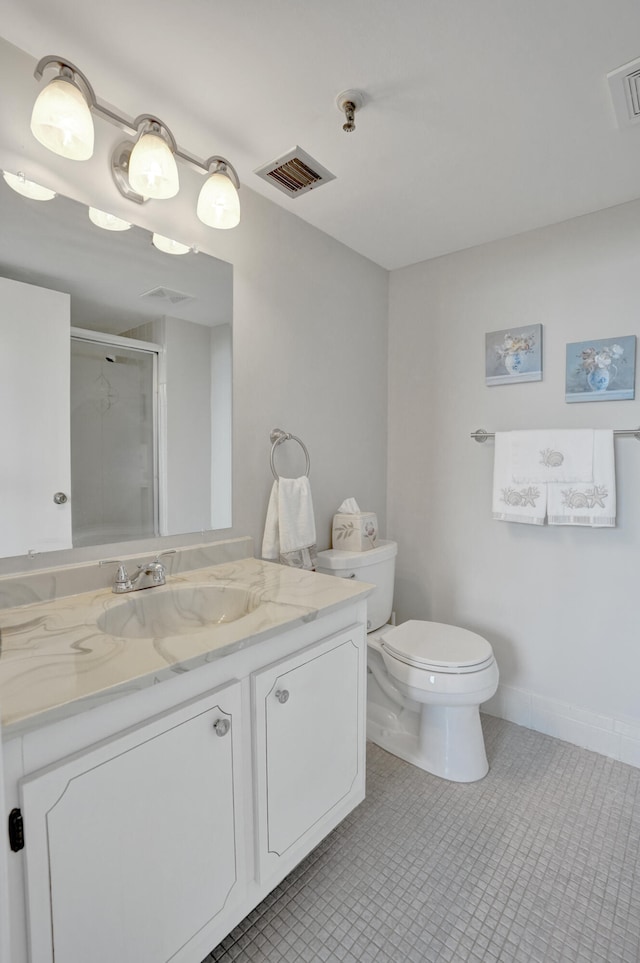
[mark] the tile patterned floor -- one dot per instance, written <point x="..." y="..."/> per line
<point x="537" y="863"/>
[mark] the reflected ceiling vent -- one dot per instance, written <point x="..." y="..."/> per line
<point x="624" y="84"/>
<point x="295" y="173"/>
<point x="166" y="294"/>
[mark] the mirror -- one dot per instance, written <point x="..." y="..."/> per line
<point x="142" y="401"/>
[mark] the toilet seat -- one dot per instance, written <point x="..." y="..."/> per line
<point x="437" y="647"/>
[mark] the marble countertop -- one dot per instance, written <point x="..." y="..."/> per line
<point x="56" y="662"/>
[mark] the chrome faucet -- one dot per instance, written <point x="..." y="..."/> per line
<point x="146" y="575"/>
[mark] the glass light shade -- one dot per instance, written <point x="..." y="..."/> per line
<point x="218" y="202"/>
<point x="30" y="189"/>
<point x="168" y="245"/>
<point x="153" y="171"/>
<point x="109" y="222"/>
<point x="61" y="120"/>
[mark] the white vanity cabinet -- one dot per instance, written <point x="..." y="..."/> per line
<point x="131" y="845"/>
<point x="154" y="823"/>
<point x="309" y="746"/>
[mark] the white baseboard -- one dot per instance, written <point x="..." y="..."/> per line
<point x="616" y="738"/>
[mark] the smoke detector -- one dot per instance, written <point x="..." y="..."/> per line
<point x="624" y="84"/>
<point x="295" y="173"/>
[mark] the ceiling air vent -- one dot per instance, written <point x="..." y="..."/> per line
<point x="295" y="173"/>
<point x="166" y="294"/>
<point x="624" y="84"/>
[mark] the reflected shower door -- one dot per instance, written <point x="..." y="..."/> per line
<point x="113" y="442"/>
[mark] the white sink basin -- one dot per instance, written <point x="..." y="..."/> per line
<point x="158" y="613"/>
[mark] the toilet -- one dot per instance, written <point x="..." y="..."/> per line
<point x="426" y="680"/>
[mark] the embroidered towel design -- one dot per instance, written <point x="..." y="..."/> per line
<point x="585" y="499"/>
<point x="523" y="497"/>
<point x="550" y="458"/>
<point x="554" y="455"/>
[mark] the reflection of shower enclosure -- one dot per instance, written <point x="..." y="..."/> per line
<point x="113" y="442"/>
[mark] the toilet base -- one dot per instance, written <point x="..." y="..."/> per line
<point x="451" y="742"/>
<point x="446" y="742"/>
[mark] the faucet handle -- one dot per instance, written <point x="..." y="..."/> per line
<point x="122" y="581"/>
<point x="157" y="564"/>
<point x="169" y="551"/>
<point x="156" y="568"/>
<point x="122" y="577"/>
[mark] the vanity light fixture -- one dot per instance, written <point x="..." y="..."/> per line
<point x="61" y="118"/>
<point x="35" y="192"/>
<point x="142" y="169"/>
<point x="168" y="245"/>
<point x="108" y="222"/>
<point x="218" y="202"/>
<point x="153" y="171"/>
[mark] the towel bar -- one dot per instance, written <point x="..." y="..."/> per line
<point x="481" y="435"/>
<point x="276" y="437"/>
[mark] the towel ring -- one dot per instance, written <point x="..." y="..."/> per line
<point x="277" y="436"/>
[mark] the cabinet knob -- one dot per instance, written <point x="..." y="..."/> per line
<point x="282" y="695"/>
<point x="222" y="727"/>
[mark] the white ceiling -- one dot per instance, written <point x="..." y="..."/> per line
<point x="483" y="118"/>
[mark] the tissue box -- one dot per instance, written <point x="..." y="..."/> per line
<point x="355" y="533"/>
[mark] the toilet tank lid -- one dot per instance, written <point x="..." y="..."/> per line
<point x="335" y="558"/>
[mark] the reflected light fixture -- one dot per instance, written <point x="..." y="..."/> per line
<point x="108" y="222"/>
<point x="35" y="192"/>
<point x="218" y="202"/>
<point x="143" y="168"/>
<point x="168" y="245"/>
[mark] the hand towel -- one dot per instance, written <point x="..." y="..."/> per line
<point x="591" y="503"/>
<point x="511" y="502"/>
<point x="556" y="455"/>
<point x="290" y="529"/>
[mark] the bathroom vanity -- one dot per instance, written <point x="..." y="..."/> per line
<point x="161" y="785"/>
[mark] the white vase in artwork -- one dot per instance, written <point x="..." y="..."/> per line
<point x="599" y="378"/>
<point x="514" y="363"/>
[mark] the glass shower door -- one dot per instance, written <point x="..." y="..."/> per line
<point x="113" y="442"/>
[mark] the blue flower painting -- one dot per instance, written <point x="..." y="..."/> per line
<point x="601" y="370"/>
<point x="514" y="354"/>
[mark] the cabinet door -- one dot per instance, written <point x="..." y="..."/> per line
<point x="131" y="846"/>
<point x="309" y="747"/>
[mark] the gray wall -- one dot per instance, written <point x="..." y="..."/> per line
<point x="558" y="604"/>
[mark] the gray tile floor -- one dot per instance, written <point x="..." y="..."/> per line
<point x="537" y="863"/>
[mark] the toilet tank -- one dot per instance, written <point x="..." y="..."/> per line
<point x="377" y="566"/>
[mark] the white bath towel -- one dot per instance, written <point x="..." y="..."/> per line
<point x="514" y="503"/>
<point x="555" y="455"/>
<point x="591" y="503"/>
<point x="290" y="528"/>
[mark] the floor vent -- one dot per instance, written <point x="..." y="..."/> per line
<point x="166" y="294"/>
<point x="295" y="173"/>
<point x="624" y="84"/>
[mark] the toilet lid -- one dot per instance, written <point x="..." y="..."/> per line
<point x="436" y="645"/>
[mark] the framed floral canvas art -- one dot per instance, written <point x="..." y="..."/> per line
<point x="601" y="370"/>
<point x="513" y="354"/>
